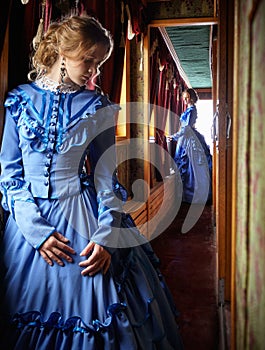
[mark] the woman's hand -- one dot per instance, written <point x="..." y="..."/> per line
<point x="99" y="260"/>
<point x="55" y="249"/>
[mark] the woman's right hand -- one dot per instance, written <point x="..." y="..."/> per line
<point x="55" y="249"/>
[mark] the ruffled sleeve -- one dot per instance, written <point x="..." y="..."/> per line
<point x="17" y="198"/>
<point x="102" y="155"/>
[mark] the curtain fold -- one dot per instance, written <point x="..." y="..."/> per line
<point x="4" y="16"/>
<point x="25" y="19"/>
<point x="109" y="14"/>
<point x="165" y="88"/>
<point x="138" y="17"/>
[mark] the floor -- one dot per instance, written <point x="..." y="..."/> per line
<point x="188" y="262"/>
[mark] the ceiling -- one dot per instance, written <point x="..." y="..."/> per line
<point x="192" y="50"/>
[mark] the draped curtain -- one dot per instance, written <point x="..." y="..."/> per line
<point x="24" y="26"/>
<point x="113" y="15"/>
<point x="165" y="87"/>
<point x="109" y="14"/>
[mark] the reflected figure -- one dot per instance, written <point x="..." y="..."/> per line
<point x="192" y="155"/>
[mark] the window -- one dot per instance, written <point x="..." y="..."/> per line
<point x="123" y="127"/>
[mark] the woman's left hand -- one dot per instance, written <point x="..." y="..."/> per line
<point x="99" y="260"/>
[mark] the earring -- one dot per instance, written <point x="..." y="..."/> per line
<point x="62" y="71"/>
<point x="90" y="70"/>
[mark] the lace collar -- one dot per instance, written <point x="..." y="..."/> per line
<point x="46" y="83"/>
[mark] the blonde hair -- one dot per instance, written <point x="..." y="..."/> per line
<point x="72" y="37"/>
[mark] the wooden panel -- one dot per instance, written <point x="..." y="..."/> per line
<point x="143" y="213"/>
<point x="123" y="163"/>
<point x="138" y="212"/>
<point x="221" y="165"/>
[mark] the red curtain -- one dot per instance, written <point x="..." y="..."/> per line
<point x="4" y="15"/>
<point x="108" y="12"/>
<point x="138" y="16"/>
<point x="24" y="23"/>
<point x="166" y="86"/>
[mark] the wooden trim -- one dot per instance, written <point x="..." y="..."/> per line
<point x="183" y="22"/>
<point x="215" y="9"/>
<point x="214" y="98"/>
<point x="157" y="1"/>
<point x="146" y="77"/>
<point x="221" y="146"/>
<point x="128" y="88"/>
<point x="127" y="98"/>
<point x="205" y="94"/>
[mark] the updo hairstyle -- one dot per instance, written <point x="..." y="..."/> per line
<point x="193" y="95"/>
<point x="72" y="37"/>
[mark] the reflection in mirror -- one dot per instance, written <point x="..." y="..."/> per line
<point x="179" y="60"/>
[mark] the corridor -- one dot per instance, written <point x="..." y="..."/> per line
<point x="188" y="263"/>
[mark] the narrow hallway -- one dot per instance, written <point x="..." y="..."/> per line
<point x="188" y="263"/>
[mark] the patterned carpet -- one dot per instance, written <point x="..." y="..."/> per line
<point x="188" y="263"/>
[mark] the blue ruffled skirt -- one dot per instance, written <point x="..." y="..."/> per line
<point x="194" y="162"/>
<point x="44" y="307"/>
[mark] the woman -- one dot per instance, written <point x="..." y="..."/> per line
<point x="76" y="274"/>
<point x="192" y="155"/>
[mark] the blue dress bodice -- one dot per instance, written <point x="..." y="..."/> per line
<point x="43" y="151"/>
<point x="51" y="139"/>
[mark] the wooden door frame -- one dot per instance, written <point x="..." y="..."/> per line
<point x="224" y="146"/>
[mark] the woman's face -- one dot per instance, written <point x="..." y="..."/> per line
<point x="186" y="98"/>
<point x="81" y="71"/>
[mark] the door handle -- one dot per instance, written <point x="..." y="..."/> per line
<point x="214" y="129"/>
<point x="228" y="123"/>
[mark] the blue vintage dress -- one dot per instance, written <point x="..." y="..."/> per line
<point x="193" y="159"/>
<point x="46" y="138"/>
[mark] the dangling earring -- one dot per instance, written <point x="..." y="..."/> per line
<point x="62" y="71"/>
